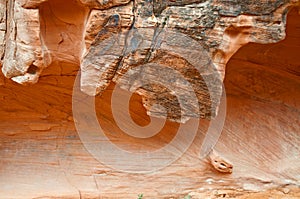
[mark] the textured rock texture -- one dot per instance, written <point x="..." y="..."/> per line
<point x="47" y="42"/>
<point x="149" y="32"/>
<point x="196" y="38"/>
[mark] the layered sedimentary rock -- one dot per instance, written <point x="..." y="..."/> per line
<point x="48" y="42"/>
<point x="196" y="38"/>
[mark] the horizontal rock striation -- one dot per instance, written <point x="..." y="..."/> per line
<point x="151" y="48"/>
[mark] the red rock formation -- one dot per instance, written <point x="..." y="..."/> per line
<point x="42" y="155"/>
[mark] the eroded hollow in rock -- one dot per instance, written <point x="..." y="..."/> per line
<point x="32" y="69"/>
<point x="62" y="26"/>
<point x="43" y="156"/>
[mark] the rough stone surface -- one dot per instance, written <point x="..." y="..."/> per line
<point x="23" y="48"/>
<point x="213" y="31"/>
<point x="41" y="154"/>
<point x="121" y="36"/>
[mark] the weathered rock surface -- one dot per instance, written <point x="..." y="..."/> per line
<point x="123" y="36"/>
<point x="215" y="30"/>
<point x="41" y="154"/>
<point x="23" y="49"/>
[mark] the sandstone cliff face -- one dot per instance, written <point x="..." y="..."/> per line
<point x="43" y="44"/>
<point x="191" y="37"/>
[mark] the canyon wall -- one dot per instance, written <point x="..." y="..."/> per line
<point x="177" y="57"/>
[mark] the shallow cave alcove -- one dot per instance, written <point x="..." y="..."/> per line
<point x="42" y="155"/>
